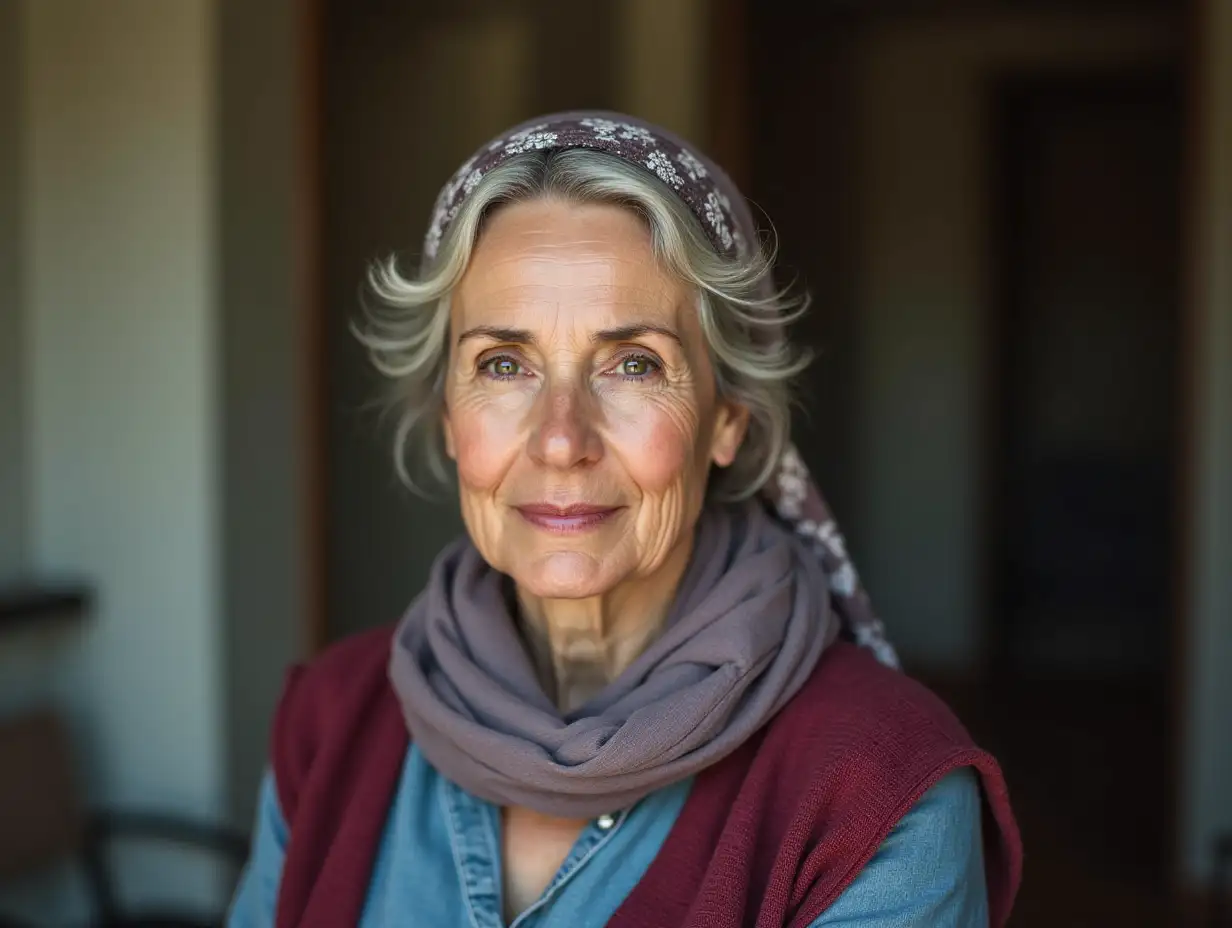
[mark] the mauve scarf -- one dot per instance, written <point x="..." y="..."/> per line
<point x="750" y="620"/>
<point x="759" y="602"/>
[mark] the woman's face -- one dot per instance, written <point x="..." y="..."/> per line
<point x="581" y="403"/>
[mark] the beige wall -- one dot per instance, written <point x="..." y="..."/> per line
<point x="160" y="351"/>
<point x="1208" y="756"/>
<point x="120" y="379"/>
<point x="121" y="362"/>
<point x="920" y="264"/>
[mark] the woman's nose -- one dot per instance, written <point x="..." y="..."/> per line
<point x="565" y="435"/>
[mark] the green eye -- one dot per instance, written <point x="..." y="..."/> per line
<point x="637" y="365"/>
<point x="502" y="367"/>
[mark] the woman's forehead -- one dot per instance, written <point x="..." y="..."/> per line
<point x="596" y="263"/>
<point x="546" y="235"/>
<point x="543" y="313"/>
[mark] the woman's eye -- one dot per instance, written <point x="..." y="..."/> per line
<point x="502" y="367"/>
<point x="637" y="365"/>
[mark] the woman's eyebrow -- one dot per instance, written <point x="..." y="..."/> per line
<point x="629" y="332"/>
<point x="526" y="337"/>
<point x="498" y="334"/>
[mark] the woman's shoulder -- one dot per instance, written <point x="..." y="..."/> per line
<point x="868" y="735"/>
<point x="335" y="682"/>
<point x="325" y="695"/>
<point x="851" y="696"/>
<point x="859" y="746"/>
<point x="347" y="663"/>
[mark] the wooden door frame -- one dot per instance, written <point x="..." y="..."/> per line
<point x="310" y="289"/>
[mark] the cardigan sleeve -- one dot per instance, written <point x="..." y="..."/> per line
<point x="256" y="897"/>
<point x="929" y="871"/>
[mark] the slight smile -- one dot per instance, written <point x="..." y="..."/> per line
<point x="567" y="520"/>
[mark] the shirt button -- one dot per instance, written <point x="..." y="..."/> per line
<point x="605" y="821"/>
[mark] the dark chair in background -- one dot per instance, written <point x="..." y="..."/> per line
<point x="44" y="822"/>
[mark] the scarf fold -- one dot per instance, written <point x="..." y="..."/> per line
<point x="749" y="623"/>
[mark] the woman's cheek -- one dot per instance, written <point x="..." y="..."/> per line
<point x="487" y="434"/>
<point x="655" y="443"/>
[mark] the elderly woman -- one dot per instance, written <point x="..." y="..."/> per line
<point x="647" y="689"/>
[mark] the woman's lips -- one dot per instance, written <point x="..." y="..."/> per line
<point x="566" y="519"/>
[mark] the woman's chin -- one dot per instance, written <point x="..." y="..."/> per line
<point x="565" y="575"/>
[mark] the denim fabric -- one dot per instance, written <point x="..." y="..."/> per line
<point x="434" y="820"/>
<point x="439" y="862"/>
<point x="929" y="872"/>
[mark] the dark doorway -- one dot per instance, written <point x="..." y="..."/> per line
<point x="1084" y="435"/>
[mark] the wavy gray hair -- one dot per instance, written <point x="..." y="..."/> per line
<point x="743" y="318"/>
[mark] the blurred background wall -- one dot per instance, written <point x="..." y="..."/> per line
<point x="190" y="192"/>
<point x="114" y="345"/>
<point x="922" y="257"/>
<point x="152" y="342"/>
<point x="12" y="451"/>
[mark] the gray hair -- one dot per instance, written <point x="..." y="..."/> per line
<point x="743" y="318"/>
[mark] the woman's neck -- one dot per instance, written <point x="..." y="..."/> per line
<point x="578" y="646"/>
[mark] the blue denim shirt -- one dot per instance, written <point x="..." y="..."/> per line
<point x="439" y="862"/>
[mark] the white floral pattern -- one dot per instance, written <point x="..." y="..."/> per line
<point x="440" y="220"/>
<point x="873" y="638"/>
<point x="531" y="141"/>
<point x="632" y="133"/>
<point x="718" y="219"/>
<point x="515" y="137"/>
<point x="446" y="206"/>
<point x="792" y="480"/>
<point x="692" y="166"/>
<point x="662" y="165"/>
<point x="432" y="241"/>
<point x="828" y="535"/>
<point x="604" y="129"/>
<point x="843" y="579"/>
<point x="799" y="503"/>
<point x="608" y="130"/>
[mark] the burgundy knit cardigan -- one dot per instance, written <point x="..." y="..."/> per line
<point x="769" y="836"/>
